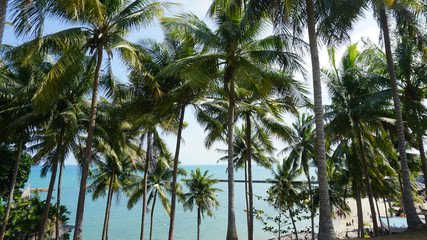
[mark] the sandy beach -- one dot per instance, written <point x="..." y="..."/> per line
<point x="340" y="224"/>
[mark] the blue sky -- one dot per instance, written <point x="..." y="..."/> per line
<point x="193" y="151"/>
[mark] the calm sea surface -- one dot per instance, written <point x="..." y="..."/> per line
<point x="125" y="224"/>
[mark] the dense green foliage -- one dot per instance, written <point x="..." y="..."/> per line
<point x="7" y="159"/>
<point x="26" y="215"/>
<point x="241" y="79"/>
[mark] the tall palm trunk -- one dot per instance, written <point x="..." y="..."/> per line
<point x="388" y="221"/>
<point x="249" y="158"/>
<point x="326" y="227"/>
<point x="423" y="160"/>
<point x="54" y="170"/>
<point x="144" y="197"/>
<point x="412" y="218"/>
<point x="199" y="219"/>
<point x="108" y="207"/>
<point x="175" y="169"/>
<point x="58" y="201"/>
<point x="246" y="195"/>
<point x="12" y="189"/>
<point x="293" y="223"/>
<point x="85" y="164"/>
<point x="367" y="181"/>
<point x="3" y="10"/>
<point x="379" y="217"/>
<point x="152" y="214"/>
<point x="311" y="205"/>
<point x="360" y="232"/>
<point x="231" y="226"/>
<point x="401" y="190"/>
<point x="280" y="222"/>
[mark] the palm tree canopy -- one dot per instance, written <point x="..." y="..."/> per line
<point x="201" y="193"/>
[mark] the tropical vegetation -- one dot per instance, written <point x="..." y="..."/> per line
<point x="241" y="71"/>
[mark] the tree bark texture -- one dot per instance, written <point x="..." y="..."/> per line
<point x="144" y="197"/>
<point x="3" y="10"/>
<point x="175" y="169"/>
<point x="379" y="217"/>
<point x="423" y="161"/>
<point x="198" y="223"/>
<point x="412" y="218"/>
<point x="246" y="195"/>
<point x="388" y="221"/>
<point x="293" y="223"/>
<point x="108" y="207"/>
<point x="12" y="189"/>
<point x="326" y="227"/>
<point x="58" y="201"/>
<point x="231" y="226"/>
<point x="152" y="214"/>
<point x="360" y="231"/>
<point x="54" y="171"/>
<point x="249" y="159"/>
<point x="85" y="165"/>
<point x="367" y="181"/>
<point x="311" y="205"/>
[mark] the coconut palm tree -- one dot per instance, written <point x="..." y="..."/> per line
<point x="201" y="194"/>
<point x="172" y="88"/>
<point x="57" y="135"/>
<point x="285" y="187"/>
<point x="261" y="145"/>
<point x="301" y="151"/>
<point x="261" y="111"/>
<point x="412" y="73"/>
<point x="356" y="107"/>
<point x="19" y="83"/>
<point x="101" y="26"/>
<point x="111" y="175"/>
<point x="158" y="185"/>
<point x="382" y="6"/>
<point x="3" y="8"/>
<point x="232" y="54"/>
<point x="315" y="15"/>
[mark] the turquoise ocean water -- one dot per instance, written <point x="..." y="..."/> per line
<point x="125" y="224"/>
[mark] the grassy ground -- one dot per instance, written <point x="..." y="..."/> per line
<point x="404" y="236"/>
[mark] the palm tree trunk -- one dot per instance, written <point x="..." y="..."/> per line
<point x="360" y="232"/>
<point x="54" y="170"/>
<point x="175" y="170"/>
<point x="152" y="215"/>
<point x="280" y="223"/>
<point x="388" y="221"/>
<point x="85" y="164"/>
<point x="12" y="189"/>
<point x="3" y="10"/>
<point x="412" y="218"/>
<point x="401" y="190"/>
<point x="231" y="226"/>
<point x="249" y="159"/>
<point x="108" y="207"/>
<point x="326" y="227"/>
<point x="198" y="223"/>
<point x="246" y="195"/>
<point x="58" y="201"/>
<point x="367" y="181"/>
<point x="423" y="161"/>
<point x="293" y="223"/>
<point x="311" y="205"/>
<point x="144" y="197"/>
<point x="379" y="217"/>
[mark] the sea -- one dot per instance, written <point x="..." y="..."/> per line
<point x="125" y="224"/>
